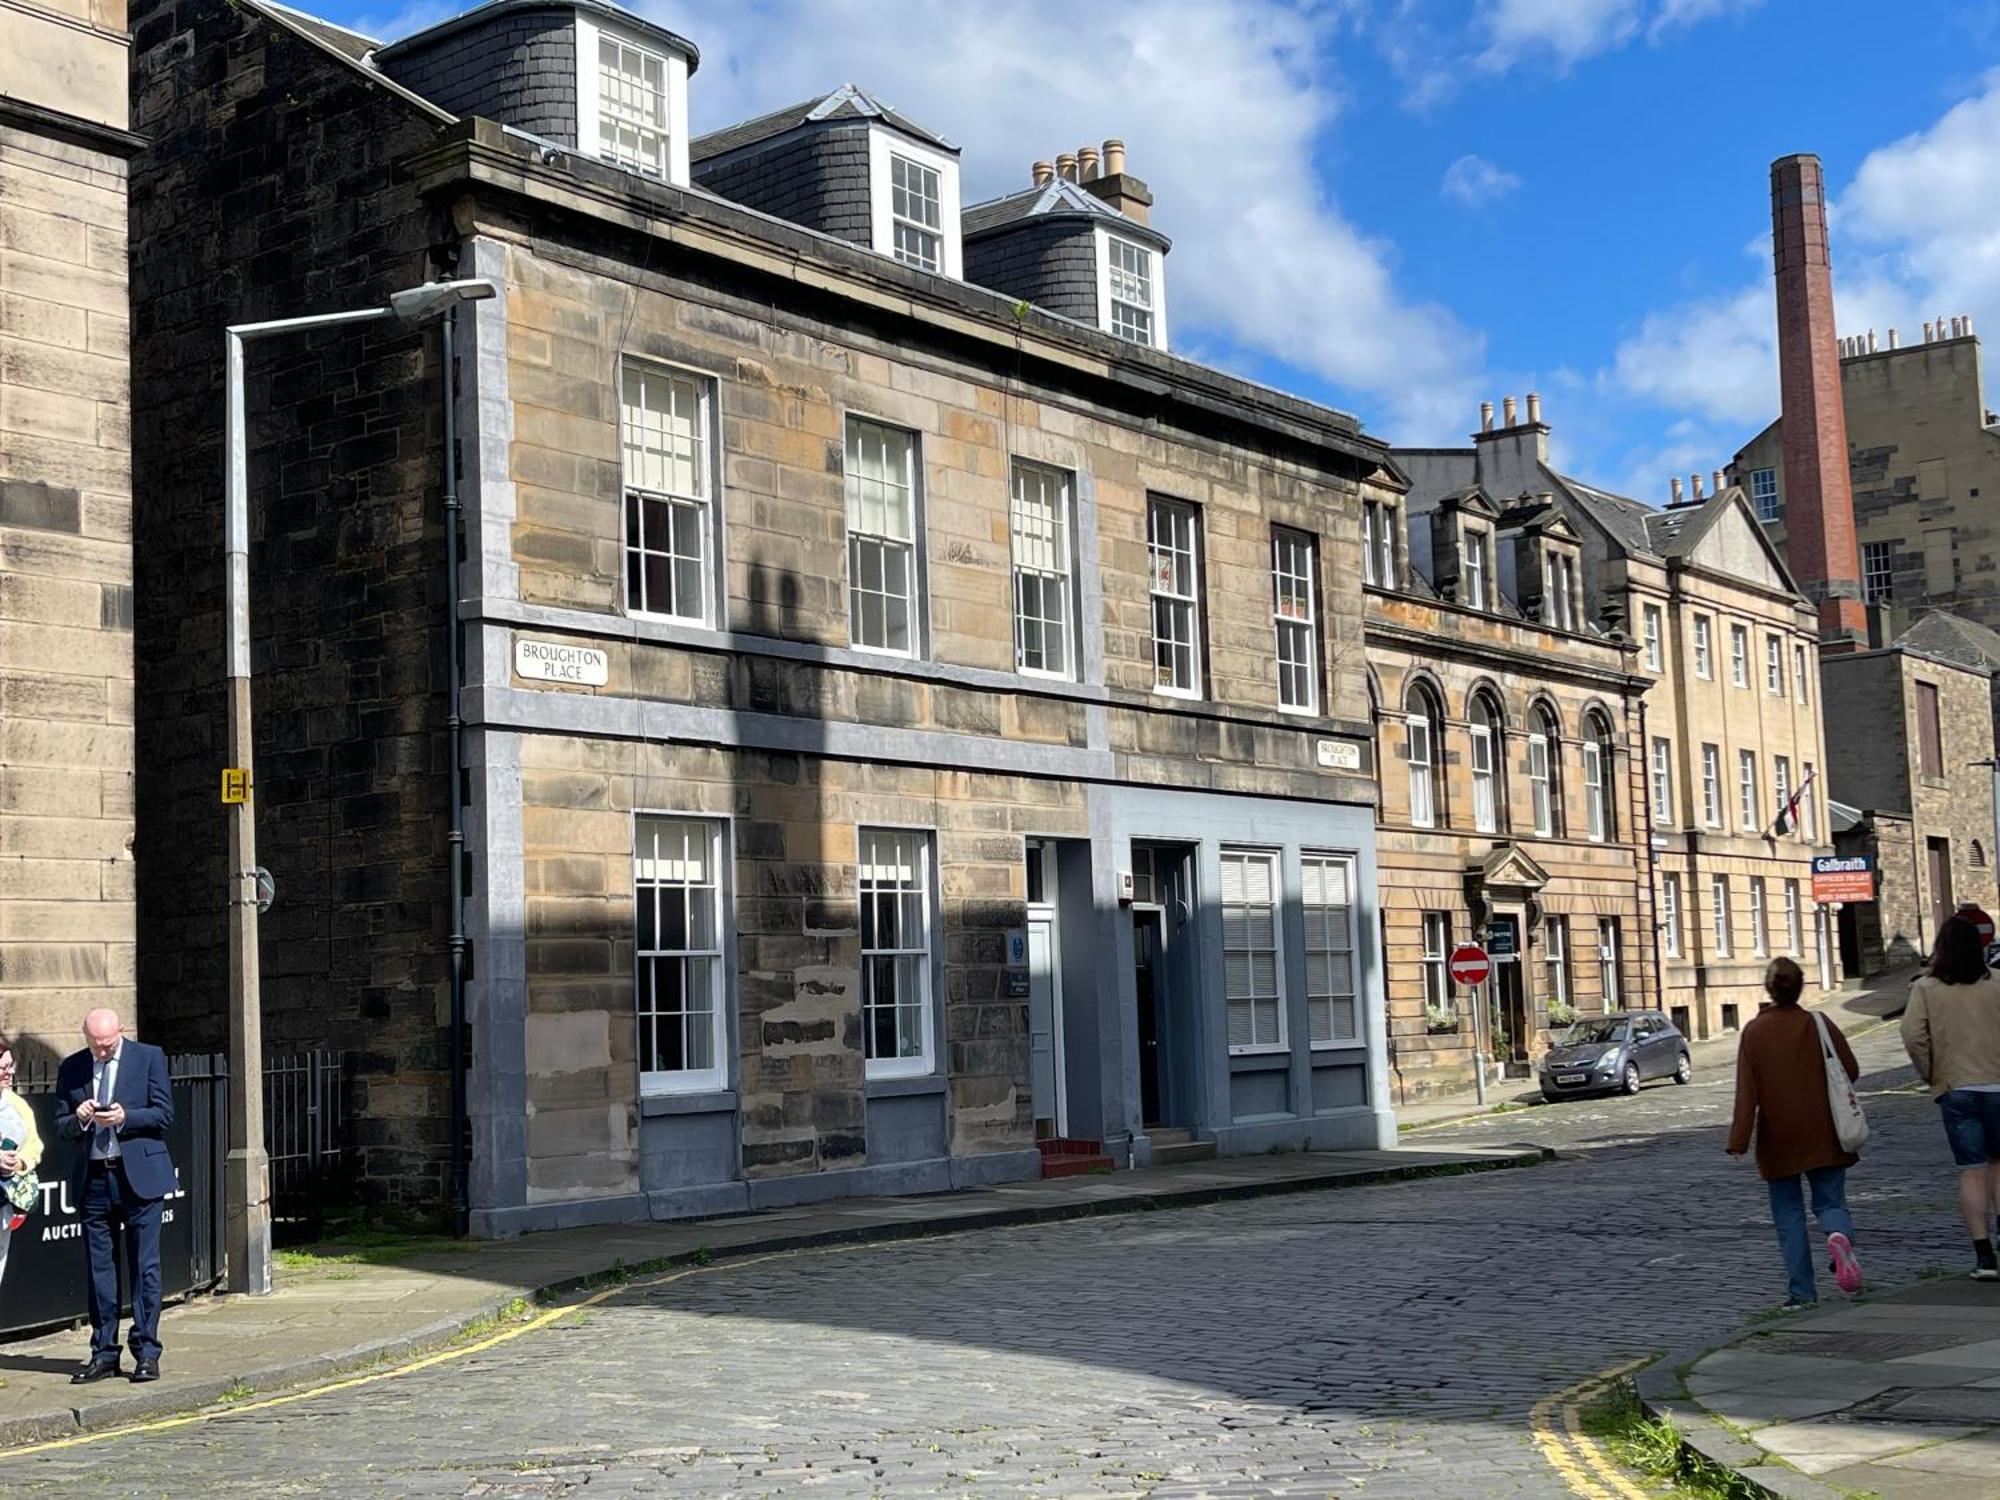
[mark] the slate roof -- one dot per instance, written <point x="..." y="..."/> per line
<point x="1627" y="520"/>
<point x="480" y="14"/>
<point x="1059" y="198"/>
<point x="1956" y="639"/>
<point x="351" y="44"/>
<point x="848" y="102"/>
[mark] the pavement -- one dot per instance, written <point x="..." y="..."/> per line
<point x="338" y="1313"/>
<point x="1896" y="1396"/>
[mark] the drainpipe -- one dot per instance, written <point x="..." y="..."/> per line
<point x="1652" y="863"/>
<point x="455" y="730"/>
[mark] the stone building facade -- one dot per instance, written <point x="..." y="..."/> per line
<point x="1924" y="462"/>
<point x="905" y="728"/>
<point x="1917" y="782"/>
<point x="1511" y="791"/>
<point x="66" y="739"/>
<point x="1729" y="718"/>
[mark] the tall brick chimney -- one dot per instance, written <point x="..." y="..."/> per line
<point x="1819" y="502"/>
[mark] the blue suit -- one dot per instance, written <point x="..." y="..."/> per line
<point x="124" y="1191"/>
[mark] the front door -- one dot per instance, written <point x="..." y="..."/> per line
<point x="1511" y="985"/>
<point x="1146" y="932"/>
<point x="1045" y="1053"/>
<point x="1942" y="906"/>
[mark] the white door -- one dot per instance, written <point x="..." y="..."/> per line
<point x="1045" y="1061"/>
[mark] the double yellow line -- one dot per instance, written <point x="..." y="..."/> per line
<point x="1557" y="1425"/>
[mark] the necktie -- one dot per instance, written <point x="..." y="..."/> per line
<point x="102" y="1146"/>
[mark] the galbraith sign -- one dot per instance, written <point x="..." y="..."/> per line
<point x="1843" y="877"/>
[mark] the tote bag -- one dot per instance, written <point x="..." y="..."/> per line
<point x="1850" y="1125"/>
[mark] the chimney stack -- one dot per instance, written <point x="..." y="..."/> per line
<point x="1506" y="411"/>
<point x="1486" y="416"/>
<point x="1119" y="188"/>
<point x="1534" y="406"/>
<point x="1819" y="498"/>
<point x="1045" y="172"/>
<point x="1676" y="483"/>
<point x="1086" y="163"/>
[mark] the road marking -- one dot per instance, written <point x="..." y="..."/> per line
<point x="1572" y="1452"/>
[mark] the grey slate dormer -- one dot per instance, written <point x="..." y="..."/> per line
<point x="845" y="164"/>
<point x="1063" y="248"/>
<point x="583" y="74"/>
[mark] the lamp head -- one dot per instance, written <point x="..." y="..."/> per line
<point x="433" y="299"/>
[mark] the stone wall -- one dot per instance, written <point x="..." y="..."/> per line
<point x="66" y="869"/>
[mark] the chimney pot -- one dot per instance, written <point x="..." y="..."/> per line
<point x="1114" y="157"/>
<point x="1486" y="416"/>
<point x="1871" y="341"/>
<point x="1694" y="484"/>
<point x="1968" y="325"/>
<point x="1086" y="162"/>
<point x="1940" y="327"/>
<point x="1676" y="483"/>
<point x="1506" y="411"/>
<point x="1044" y="172"/>
<point x="1717" y="484"/>
<point x="1892" y="338"/>
<point x="1066" y="166"/>
<point x="1534" y="406"/>
<point x="1927" y="332"/>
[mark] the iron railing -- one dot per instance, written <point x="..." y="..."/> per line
<point x="305" y="1136"/>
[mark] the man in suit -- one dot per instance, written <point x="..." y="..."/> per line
<point x="117" y="1096"/>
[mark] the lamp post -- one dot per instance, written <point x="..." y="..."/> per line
<point x="247" y="1176"/>
<point x="1993" y="764"/>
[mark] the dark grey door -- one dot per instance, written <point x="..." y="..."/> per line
<point x="1146" y="976"/>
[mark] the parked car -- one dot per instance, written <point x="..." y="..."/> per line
<point x="1619" y="1051"/>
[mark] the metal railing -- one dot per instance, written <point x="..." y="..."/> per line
<point x="305" y="1136"/>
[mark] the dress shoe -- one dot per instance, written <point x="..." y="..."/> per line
<point x="97" y="1369"/>
<point x="146" y="1369"/>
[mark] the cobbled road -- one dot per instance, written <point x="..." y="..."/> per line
<point x="1374" y="1342"/>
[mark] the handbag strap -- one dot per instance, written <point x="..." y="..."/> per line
<point x="1825" y="1039"/>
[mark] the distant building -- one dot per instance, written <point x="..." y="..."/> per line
<point x="66" y="867"/>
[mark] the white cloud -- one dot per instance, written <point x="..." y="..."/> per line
<point x="1716" y="357"/>
<point x="1476" y="182"/>
<point x="1221" y="106"/>
<point x="1566" y="30"/>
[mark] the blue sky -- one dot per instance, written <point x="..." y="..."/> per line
<point x="1402" y="207"/>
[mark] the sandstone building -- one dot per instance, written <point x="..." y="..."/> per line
<point x="66" y="868"/>
<point x="910" y="722"/>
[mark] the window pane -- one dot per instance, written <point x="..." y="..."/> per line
<point x="1039" y="524"/>
<point x="632" y="107"/>
<point x="677" y="934"/>
<point x="1250" y="947"/>
<point x="664" y="441"/>
<point x="893" y="889"/>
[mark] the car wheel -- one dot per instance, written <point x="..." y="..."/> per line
<point x="1684" y="1070"/>
<point x="1631" y="1078"/>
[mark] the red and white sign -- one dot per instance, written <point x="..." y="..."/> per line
<point x="1977" y="917"/>
<point x="1469" y="964"/>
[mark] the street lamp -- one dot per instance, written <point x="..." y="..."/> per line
<point x="247" y="1177"/>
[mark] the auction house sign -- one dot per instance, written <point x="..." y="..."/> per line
<point x="1843" y="877"/>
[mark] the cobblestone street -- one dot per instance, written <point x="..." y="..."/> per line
<point x="1384" y="1341"/>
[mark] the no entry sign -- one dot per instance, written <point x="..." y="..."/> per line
<point x="1976" y="915"/>
<point x="1469" y="964"/>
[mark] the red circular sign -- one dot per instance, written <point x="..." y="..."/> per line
<point x="1469" y="964"/>
<point x="1978" y="918"/>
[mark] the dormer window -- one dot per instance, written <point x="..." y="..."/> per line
<point x="1475" y="570"/>
<point x="631" y="101"/>
<point x="914" y="198"/>
<point x="1378" y="544"/>
<point x="1129" y="289"/>
<point x="1561" y="608"/>
<point x="913" y="195"/>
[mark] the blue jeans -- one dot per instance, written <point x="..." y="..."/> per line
<point x="1788" y="1213"/>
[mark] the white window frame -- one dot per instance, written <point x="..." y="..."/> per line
<point x="1800" y="693"/>
<point x="1663" y="779"/>
<point x="1670" y="913"/>
<point x="1610" y="988"/>
<point x="1330" y="934"/>
<point x="1764" y="494"/>
<point x="1025" y="528"/>
<point x="1760" y="932"/>
<point x="1419" y="740"/>
<point x="1649" y="629"/>
<point x="1487" y="750"/>
<point x="1808" y="815"/>
<point x="1180" y="601"/>
<point x="1711" y="785"/>
<point x="1378" y="544"/>
<point x="1255" y="1000"/>
<point x="1792" y="928"/>
<point x="700" y="497"/>
<point x="920" y="185"/>
<point x="647" y="828"/>
<point x="1781" y="783"/>
<point x="1541" y="779"/>
<point x="1704" y="648"/>
<point x="1476" y="596"/>
<point x="1156" y="267"/>
<point x="1597" y="759"/>
<point x="1746" y="790"/>
<point x="1878" y="572"/>
<point x="1436" y="959"/>
<point x="1739" y="656"/>
<point x="916" y="601"/>
<point x="591" y="30"/>
<point x="1718" y="901"/>
<point x="885" y="143"/>
<point x="920" y="886"/>
<point x="1774" y="666"/>
<point x="1555" y="961"/>
<point x="1296" y="576"/>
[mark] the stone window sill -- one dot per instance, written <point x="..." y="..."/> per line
<point x="903" y="1088"/>
<point x="707" y="1102"/>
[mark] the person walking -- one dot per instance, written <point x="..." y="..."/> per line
<point x="1952" y="1033"/>
<point x="20" y="1148"/>
<point x="1781" y="1098"/>
<point x="116" y="1094"/>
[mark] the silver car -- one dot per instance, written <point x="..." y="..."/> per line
<point x="1619" y="1051"/>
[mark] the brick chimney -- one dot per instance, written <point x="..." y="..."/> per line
<point x="1819" y="501"/>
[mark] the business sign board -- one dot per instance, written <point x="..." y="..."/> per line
<point x="47" y="1277"/>
<point x="1503" y="940"/>
<point x="1843" y="877"/>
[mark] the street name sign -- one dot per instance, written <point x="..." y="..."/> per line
<point x="553" y="661"/>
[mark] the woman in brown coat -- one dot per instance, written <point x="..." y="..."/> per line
<point x="1781" y="1095"/>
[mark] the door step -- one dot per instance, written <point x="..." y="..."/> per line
<point x="1171" y="1146"/>
<point x="1064" y="1157"/>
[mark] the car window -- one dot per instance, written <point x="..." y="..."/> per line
<point x="1650" y="1026"/>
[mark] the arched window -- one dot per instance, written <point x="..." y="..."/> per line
<point x="1544" y="771"/>
<point x="1489" y="760"/>
<point x="1598" y="777"/>
<point x="1424" y="727"/>
<point x="1978" y="855"/>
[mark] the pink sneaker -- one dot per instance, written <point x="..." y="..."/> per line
<point x="1846" y="1265"/>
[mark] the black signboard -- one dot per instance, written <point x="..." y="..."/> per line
<point x="47" y="1277"/>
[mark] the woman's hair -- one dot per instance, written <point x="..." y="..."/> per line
<point x="1959" y="956"/>
<point x="1784" y="981"/>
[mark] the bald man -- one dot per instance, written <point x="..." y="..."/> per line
<point x="116" y="1095"/>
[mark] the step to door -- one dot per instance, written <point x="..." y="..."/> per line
<point x="1168" y="1152"/>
